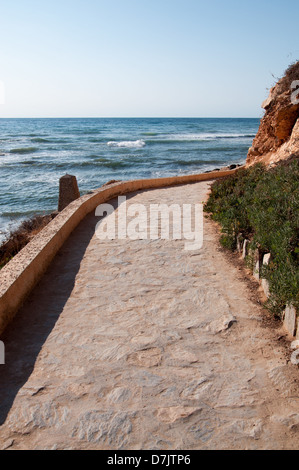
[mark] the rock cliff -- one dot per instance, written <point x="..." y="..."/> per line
<point x="278" y="134"/>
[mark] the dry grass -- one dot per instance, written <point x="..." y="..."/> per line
<point x="19" y="237"/>
<point x="291" y="74"/>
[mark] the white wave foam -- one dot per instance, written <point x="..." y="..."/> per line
<point x="206" y="136"/>
<point x="127" y="144"/>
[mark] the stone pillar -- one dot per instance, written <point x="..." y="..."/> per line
<point x="68" y="191"/>
<point x="256" y="264"/>
<point x="245" y="249"/>
<point x="290" y="320"/>
<point x="239" y="242"/>
<point x="265" y="283"/>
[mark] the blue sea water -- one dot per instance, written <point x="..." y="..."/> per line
<point x="35" y="153"/>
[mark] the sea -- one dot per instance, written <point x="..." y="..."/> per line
<point x="35" y="153"/>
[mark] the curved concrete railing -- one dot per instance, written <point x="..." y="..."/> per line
<point x="21" y="274"/>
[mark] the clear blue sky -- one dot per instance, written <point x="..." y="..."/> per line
<point x="123" y="58"/>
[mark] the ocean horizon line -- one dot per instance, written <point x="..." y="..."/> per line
<point x="129" y="117"/>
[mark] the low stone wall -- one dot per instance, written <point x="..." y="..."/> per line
<point x="289" y="317"/>
<point x="20" y="275"/>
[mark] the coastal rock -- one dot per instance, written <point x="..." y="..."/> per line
<point x="278" y="134"/>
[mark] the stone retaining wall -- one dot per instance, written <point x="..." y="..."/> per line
<point x="289" y="317"/>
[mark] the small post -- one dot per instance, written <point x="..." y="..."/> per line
<point x="245" y="249"/>
<point x="290" y="320"/>
<point x="2" y="353"/>
<point x="265" y="283"/>
<point x="68" y="191"/>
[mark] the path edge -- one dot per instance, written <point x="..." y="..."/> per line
<point x="23" y="272"/>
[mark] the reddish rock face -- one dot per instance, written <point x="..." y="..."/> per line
<point x="278" y="134"/>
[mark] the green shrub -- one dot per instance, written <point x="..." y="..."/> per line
<point x="263" y="205"/>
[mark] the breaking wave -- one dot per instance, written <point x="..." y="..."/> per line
<point x="179" y="138"/>
<point x="137" y="144"/>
